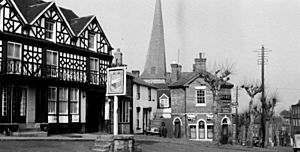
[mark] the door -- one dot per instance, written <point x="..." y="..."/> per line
<point x="225" y="133"/>
<point x="94" y="111"/>
<point x="177" y="132"/>
<point x="145" y="119"/>
<point x="18" y="104"/>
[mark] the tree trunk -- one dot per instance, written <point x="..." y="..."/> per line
<point x="251" y="125"/>
<point x="215" y="116"/>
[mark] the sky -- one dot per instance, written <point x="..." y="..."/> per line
<point x="228" y="32"/>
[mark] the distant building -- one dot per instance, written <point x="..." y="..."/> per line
<point x="155" y="65"/>
<point x="144" y="103"/>
<point x="52" y="68"/>
<point x="192" y="104"/>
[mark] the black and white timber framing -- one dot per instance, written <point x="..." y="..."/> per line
<point x="52" y="67"/>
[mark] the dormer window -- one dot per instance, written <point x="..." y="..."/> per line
<point x="92" y="42"/>
<point x="49" y="31"/>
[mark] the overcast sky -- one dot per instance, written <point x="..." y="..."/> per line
<point x="226" y="31"/>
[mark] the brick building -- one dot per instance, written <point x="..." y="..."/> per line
<point x="53" y="68"/>
<point x="192" y="104"/>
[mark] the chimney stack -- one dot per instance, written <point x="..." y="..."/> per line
<point x="200" y="63"/>
<point x="136" y="73"/>
<point x="118" y="57"/>
<point x="176" y="70"/>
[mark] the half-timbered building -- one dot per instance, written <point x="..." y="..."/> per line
<point x="52" y="68"/>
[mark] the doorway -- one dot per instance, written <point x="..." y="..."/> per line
<point x="177" y="130"/>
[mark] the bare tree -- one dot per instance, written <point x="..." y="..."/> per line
<point x="271" y="103"/>
<point x="252" y="90"/>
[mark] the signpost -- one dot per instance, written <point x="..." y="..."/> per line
<point x="116" y="86"/>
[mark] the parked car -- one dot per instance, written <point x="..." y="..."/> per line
<point x="156" y="127"/>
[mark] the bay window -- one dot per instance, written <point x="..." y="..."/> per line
<point x="52" y="63"/>
<point x="14" y="57"/>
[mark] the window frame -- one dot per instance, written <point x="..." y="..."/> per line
<point x="124" y="112"/>
<point x="52" y="100"/>
<point x="149" y="94"/>
<point x="74" y="101"/>
<point x="200" y="88"/>
<point x="52" y="52"/>
<point x="93" y="48"/>
<point x="166" y="100"/>
<point x="138" y="92"/>
<point x="64" y="100"/>
<point x="13" y="56"/>
<point x="49" y="31"/>
<point x="97" y="68"/>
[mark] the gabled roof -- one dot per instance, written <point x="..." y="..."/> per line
<point x="34" y="10"/>
<point x="69" y="14"/>
<point x="20" y="6"/>
<point x="79" y="24"/>
<point x="187" y="77"/>
<point x="184" y="78"/>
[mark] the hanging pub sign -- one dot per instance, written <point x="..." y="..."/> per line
<point x="116" y="81"/>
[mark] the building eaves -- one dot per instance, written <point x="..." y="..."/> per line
<point x="143" y="83"/>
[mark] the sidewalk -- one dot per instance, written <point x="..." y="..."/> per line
<point x="62" y="137"/>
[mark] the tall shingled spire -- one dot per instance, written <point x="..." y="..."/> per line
<point x="155" y="66"/>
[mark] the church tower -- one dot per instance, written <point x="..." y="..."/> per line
<point x="155" y="66"/>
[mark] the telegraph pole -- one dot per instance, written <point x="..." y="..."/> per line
<point x="236" y="113"/>
<point x="262" y="61"/>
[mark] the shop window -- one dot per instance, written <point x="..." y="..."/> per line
<point x="124" y="113"/>
<point x="4" y="102"/>
<point x="63" y="101"/>
<point x="210" y="131"/>
<point x="52" y="98"/>
<point x="193" y="133"/>
<point x="201" y="130"/>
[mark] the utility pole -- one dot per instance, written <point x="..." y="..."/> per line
<point x="236" y="113"/>
<point x="263" y="59"/>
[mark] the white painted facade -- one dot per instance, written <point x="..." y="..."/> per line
<point x="143" y="103"/>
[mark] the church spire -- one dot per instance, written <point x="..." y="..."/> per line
<point x="155" y="66"/>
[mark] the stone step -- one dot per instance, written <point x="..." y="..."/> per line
<point x="30" y="134"/>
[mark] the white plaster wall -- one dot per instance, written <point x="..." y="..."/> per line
<point x="143" y="103"/>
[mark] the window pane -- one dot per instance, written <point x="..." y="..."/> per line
<point x="17" y="51"/>
<point x="10" y="50"/>
<point x="49" y="56"/>
<point x="193" y="132"/>
<point x="91" y="41"/>
<point x="54" y="58"/>
<point x="63" y="107"/>
<point x="210" y="133"/>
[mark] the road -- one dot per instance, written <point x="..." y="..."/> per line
<point x="148" y="144"/>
